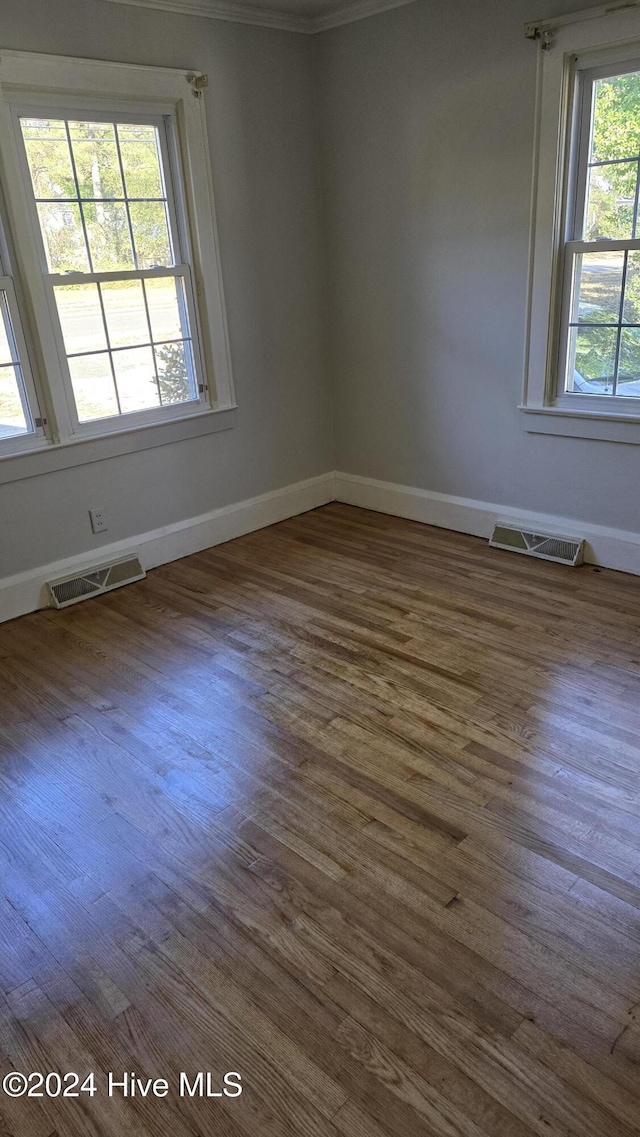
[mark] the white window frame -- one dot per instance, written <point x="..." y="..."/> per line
<point x="29" y="81"/>
<point x="35" y="437"/>
<point x="31" y="402"/>
<point x="568" y="48"/>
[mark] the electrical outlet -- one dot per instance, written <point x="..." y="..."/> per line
<point x="98" y="520"/>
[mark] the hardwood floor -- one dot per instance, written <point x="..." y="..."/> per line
<point x="350" y="806"/>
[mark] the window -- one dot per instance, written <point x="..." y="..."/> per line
<point x="109" y="198"/>
<point x="111" y="255"/>
<point x="19" y="413"/>
<point x="583" y="359"/>
<point x="16" y="408"/>
<point x="601" y="328"/>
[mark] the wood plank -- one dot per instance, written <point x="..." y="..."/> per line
<point x="350" y="805"/>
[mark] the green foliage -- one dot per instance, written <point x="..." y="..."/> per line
<point x="616" y="138"/>
<point x="595" y="354"/>
<point x="616" y="125"/>
<point x="172" y="374"/>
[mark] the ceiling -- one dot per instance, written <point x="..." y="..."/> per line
<point x="301" y="7"/>
<point x="293" y="15"/>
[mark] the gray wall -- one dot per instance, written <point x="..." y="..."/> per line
<point x="260" y="107"/>
<point x="426" y="119"/>
<point x="423" y="117"/>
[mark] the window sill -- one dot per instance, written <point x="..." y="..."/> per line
<point x="570" y="423"/>
<point x="80" y="451"/>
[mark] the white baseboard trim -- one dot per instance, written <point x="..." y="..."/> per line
<point x="26" y="592"/>
<point x="611" y="548"/>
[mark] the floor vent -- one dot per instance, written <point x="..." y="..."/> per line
<point x="548" y="546"/>
<point x="70" y="589"/>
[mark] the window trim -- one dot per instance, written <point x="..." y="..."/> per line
<point x="34" y="437"/>
<point x="28" y="79"/>
<point x="611" y="40"/>
<point x="47" y="459"/>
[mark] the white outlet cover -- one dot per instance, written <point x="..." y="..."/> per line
<point x="98" y="520"/>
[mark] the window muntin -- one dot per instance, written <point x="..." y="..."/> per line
<point x="601" y="337"/>
<point x="119" y="288"/>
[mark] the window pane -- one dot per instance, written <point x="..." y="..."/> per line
<point x="175" y="369"/>
<point x="50" y="164"/>
<point x="136" y="378"/>
<point x="592" y="357"/>
<point x="125" y="311"/>
<point x="610" y="201"/>
<point x="63" y="237"/>
<point x="140" y="160"/>
<point x="108" y="232"/>
<point x="631" y="308"/>
<point x="616" y="118"/>
<point x="151" y="234"/>
<point x="599" y="288"/>
<point x="7" y="349"/>
<point x="96" y="159"/>
<point x="15" y="417"/>
<point x="50" y="128"/>
<point x="80" y="318"/>
<point x="165" y="297"/>
<point x="629" y="365"/>
<point x="12" y="416"/>
<point x="93" y="387"/>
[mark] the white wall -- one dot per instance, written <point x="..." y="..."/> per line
<point x="426" y="120"/>
<point x="261" y="120"/>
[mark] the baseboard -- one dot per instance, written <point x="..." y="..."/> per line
<point x="26" y="592"/>
<point x="611" y="548"/>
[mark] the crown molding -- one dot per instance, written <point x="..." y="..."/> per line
<point x="349" y="13"/>
<point x="262" y="17"/>
<point x="223" y="10"/>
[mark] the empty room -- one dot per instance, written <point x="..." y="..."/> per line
<point x="319" y="568"/>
